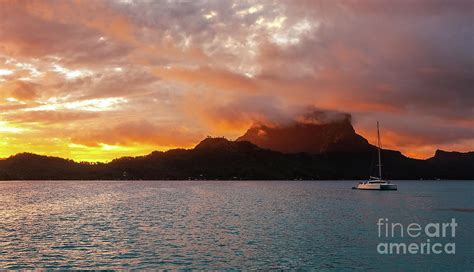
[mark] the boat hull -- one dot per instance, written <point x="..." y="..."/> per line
<point x="376" y="186"/>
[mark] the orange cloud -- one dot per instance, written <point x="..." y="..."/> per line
<point x="96" y="15"/>
<point x="50" y="117"/>
<point x="207" y="76"/>
<point x="20" y="90"/>
<point x="138" y="132"/>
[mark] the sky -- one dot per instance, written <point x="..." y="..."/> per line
<point x="97" y="80"/>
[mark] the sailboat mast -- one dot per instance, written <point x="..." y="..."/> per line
<point x="378" y="144"/>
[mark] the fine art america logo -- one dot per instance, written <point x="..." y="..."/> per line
<point x="434" y="236"/>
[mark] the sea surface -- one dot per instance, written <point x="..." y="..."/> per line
<point x="226" y="224"/>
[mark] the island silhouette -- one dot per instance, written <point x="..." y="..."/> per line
<point x="329" y="150"/>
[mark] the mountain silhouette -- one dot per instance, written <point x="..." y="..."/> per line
<point x="218" y="158"/>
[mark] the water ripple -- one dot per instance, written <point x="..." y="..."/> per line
<point x="212" y="225"/>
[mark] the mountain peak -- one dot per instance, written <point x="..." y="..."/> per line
<point x="213" y="143"/>
<point x="222" y="144"/>
<point x="29" y="156"/>
<point x="308" y="136"/>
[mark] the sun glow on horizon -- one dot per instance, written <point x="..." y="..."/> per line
<point x="79" y="153"/>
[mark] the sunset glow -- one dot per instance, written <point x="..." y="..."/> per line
<point x="97" y="80"/>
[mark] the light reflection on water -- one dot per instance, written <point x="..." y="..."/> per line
<point x="221" y="224"/>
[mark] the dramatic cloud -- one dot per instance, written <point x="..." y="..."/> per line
<point x="138" y="132"/>
<point x="96" y="80"/>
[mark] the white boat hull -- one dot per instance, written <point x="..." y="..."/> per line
<point x="376" y="186"/>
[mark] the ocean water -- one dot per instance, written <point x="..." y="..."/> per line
<point x="226" y="224"/>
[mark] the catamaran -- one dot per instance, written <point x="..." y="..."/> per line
<point x="376" y="183"/>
